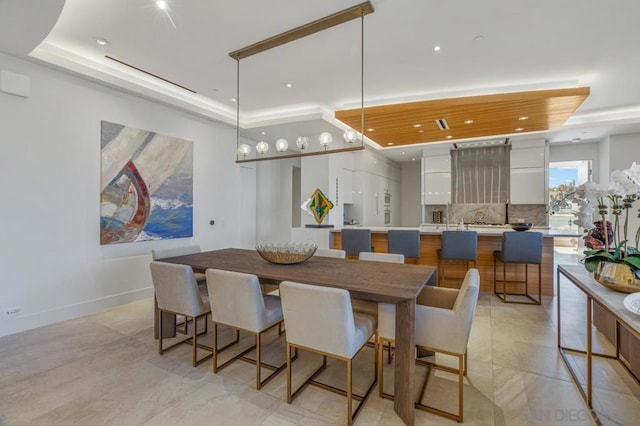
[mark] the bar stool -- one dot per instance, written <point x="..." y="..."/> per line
<point x="355" y="241"/>
<point x="519" y="248"/>
<point x="457" y="246"/>
<point x="405" y="242"/>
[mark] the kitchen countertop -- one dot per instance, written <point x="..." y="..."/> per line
<point x="488" y="230"/>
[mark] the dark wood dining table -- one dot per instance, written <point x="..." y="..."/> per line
<point x="375" y="281"/>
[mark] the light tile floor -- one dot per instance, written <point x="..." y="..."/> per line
<point x="104" y="369"/>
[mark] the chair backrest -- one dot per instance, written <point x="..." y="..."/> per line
<point x="175" y="251"/>
<point x="406" y="242"/>
<point x="236" y="300"/>
<point x="356" y="240"/>
<point x="176" y="289"/>
<point x="459" y="245"/>
<point x="319" y="318"/>
<point x="465" y="308"/>
<point x="323" y="252"/>
<point x="381" y="257"/>
<point x="522" y="247"/>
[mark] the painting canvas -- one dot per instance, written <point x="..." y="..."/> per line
<point x="146" y="185"/>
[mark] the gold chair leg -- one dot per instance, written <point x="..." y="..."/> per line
<point x="349" y="400"/>
<point x="258" y="363"/>
<point x="215" y="348"/>
<point x="194" y="340"/>
<point x="466" y="362"/>
<point x="460" y="387"/>
<point x="289" y="373"/>
<point x="380" y="365"/>
<point x="160" y="331"/>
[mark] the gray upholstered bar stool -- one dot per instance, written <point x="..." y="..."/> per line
<point x="355" y="241"/>
<point x="459" y="246"/>
<point x="405" y="242"/>
<point x="519" y="248"/>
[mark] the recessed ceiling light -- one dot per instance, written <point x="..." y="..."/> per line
<point x="288" y="85"/>
<point x="417" y="125"/>
<point x="449" y="136"/>
<point x="413" y="159"/>
<point x="519" y="129"/>
<point x="389" y="143"/>
<point x="468" y="121"/>
<point x="263" y="132"/>
<point x="101" y="41"/>
<point x="162" y="4"/>
<point x="420" y="131"/>
<point x="234" y="100"/>
<point x="371" y="129"/>
<point x="524" y="117"/>
<point x="403" y="153"/>
<point x="576" y="140"/>
<point x="436" y="48"/>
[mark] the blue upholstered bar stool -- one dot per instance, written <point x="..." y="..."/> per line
<point x="519" y="248"/>
<point x="355" y="241"/>
<point x="405" y="242"/>
<point x="459" y="246"/>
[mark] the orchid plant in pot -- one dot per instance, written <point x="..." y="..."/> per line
<point x="613" y="258"/>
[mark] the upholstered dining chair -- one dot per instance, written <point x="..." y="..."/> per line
<point x="325" y="252"/>
<point x="367" y="306"/>
<point x="170" y="320"/>
<point x="405" y="242"/>
<point x="524" y="248"/>
<point x="321" y="320"/>
<point x="355" y="241"/>
<point x="458" y="246"/>
<point x="177" y="293"/>
<point x="237" y="301"/>
<point x="444" y="318"/>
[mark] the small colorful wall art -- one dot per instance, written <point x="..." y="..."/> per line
<point x="317" y="206"/>
<point x="146" y="185"/>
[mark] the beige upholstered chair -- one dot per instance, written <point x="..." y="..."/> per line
<point x="237" y="302"/>
<point x="171" y="323"/>
<point x="443" y="323"/>
<point x="323" y="252"/>
<point x="367" y="306"/>
<point x="177" y="293"/>
<point x="321" y="320"/>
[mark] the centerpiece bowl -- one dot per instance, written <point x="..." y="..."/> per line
<point x="521" y="226"/>
<point x="286" y="253"/>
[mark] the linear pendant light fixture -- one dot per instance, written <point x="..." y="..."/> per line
<point x="243" y="151"/>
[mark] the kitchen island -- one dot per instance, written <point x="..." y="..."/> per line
<point x="489" y="240"/>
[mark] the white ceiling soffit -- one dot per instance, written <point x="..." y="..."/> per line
<point x="493" y="46"/>
<point x="25" y="23"/>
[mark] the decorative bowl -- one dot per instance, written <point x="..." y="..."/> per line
<point x="521" y="226"/>
<point x="617" y="277"/>
<point x="286" y="253"/>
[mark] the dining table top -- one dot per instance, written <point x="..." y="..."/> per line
<point x="375" y="281"/>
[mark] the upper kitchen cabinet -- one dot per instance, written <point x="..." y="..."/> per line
<point x="436" y="174"/>
<point x="529" y="172"/>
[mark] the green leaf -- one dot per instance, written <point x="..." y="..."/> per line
<point x="591" y="263"/>
<point x="634" y="261"/>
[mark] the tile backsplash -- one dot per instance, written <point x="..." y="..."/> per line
<point x="490" y="213"/>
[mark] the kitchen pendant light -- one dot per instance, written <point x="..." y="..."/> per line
<point x="325" y="139"/>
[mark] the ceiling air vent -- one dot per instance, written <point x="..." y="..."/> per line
<point x="442" y="124"/>
<point x="481" y="144"/>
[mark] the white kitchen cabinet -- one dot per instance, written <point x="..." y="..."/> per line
<point x="437" y="164"/>
<point x="528" y="186"/>
<point x="347" y="186"/>
<point x="527" y="157"/>
<point x="436" y="188"/>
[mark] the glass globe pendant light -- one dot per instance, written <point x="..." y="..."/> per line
<point x="350" y="136"/>
<point x="262" y="147"/>
<point x="325" y="139"/>
<point x="244" y="150"/>
<point x="282" y="145"/>
<point x="302" y="142"/>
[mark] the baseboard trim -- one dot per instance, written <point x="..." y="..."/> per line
<point x="39" y="319"/>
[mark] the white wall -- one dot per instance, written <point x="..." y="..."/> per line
<point x="623" y="151"/>
<point x="51" y="262"/>
<point x="578" y="151"/>
<point x="411" y="180"/>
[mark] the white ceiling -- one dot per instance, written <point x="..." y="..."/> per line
<point x="488" y="46"/>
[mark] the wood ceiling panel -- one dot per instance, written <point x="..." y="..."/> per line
<point x="491" y="114"/>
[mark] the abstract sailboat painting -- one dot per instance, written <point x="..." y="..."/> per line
<point x="146" y="185"/>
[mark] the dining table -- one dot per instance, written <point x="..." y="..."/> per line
<point x="399" y="284"/>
